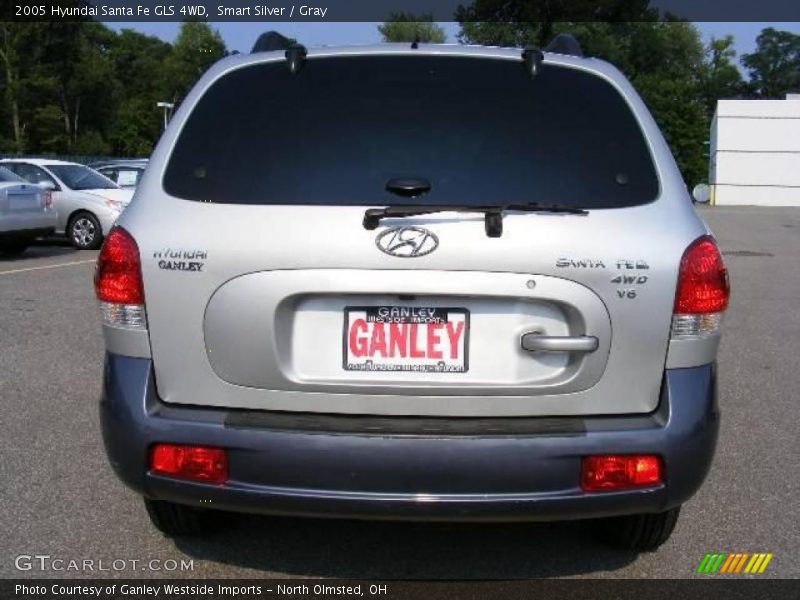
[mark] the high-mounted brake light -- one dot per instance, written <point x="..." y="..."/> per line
<point x="118" y="281"/>
<point x="198" y="463"/>
<point x="703" y="291"/>
<point x="620" y="472"/>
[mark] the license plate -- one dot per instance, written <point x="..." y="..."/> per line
<point x="406" y="338"/>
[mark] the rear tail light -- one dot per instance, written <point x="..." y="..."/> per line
<point x="620" y="472"/>
<point x="198" y="463"/>
<point x="703" y="291"/>
<point x="118" y="281"/>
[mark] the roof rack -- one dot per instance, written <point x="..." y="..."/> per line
<point x="272" y="41"/>
<point x="565" y="43"/>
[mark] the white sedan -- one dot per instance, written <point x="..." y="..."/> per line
<point x="86" y="202"/>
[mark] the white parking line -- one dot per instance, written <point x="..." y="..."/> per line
<point x="69" y="264"/>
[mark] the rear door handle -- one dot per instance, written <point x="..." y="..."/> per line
<point x="534" y="342"/>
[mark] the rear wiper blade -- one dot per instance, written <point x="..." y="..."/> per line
<point x="493" y="214"/>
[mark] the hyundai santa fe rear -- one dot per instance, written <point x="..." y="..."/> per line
<point x="435" y="283"/>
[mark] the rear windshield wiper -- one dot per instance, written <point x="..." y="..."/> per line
<point x="493" y="214"/>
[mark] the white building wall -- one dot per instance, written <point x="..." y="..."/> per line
<point x="755" y="152"/>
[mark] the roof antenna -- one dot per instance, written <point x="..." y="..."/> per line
<point x="295" y="58"/>
<point x="532" y="59"/>
<point x="415" y="43"/>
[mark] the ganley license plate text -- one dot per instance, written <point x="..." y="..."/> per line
<point x="406" y="338"/>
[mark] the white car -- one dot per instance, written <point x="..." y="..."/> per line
<point x="87" y="204"/>
<point x="25" y="213"/>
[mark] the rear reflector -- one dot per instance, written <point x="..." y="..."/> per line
<point x="620" y="472"/>
<point x="703" y="291"/>
<point x="693" y="326"/>
<point x="123" y="315"/>
<point x="198" y="463"/>
<point x="118" y="281"/>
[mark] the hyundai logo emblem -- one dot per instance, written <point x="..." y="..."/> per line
<point x="407" y="242"/>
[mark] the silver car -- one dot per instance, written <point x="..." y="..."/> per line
<point x="26" y="213"/>
<point x="428" y="282"/>
<point x="87" y="203"/>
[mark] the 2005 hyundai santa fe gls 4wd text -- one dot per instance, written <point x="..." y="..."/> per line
<point x="413" y="282"/>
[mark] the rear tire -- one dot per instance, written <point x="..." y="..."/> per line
<point x="84" y="231"/>
<point x="643" y="533"/>
<point x="176" y="519"/>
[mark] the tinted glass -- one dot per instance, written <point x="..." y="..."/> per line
<point x="481" y="131"/>
<point x="77" y="177"/>
<point x="31" y="173"/>
<point x="6" y="176"/>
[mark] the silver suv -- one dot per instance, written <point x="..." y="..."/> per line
<point x="413" y="282"/>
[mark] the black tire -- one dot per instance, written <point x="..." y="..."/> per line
<point x="15" y="248"/>
<point x="176" y="519"/>
<point x="84" y="231"/>
<point x="643" y="533"/>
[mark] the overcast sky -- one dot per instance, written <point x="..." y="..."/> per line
<point x="241" y="36"/>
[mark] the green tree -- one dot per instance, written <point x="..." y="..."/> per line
<point x="664" y="59"/>
<point x="80" y="87"/>
<point x="680" y="112"/>
<point x="406" y="27"/>
<point x="87" y="89"/>
<point x="65" y="47"/>
<point x="57" y="81"/>
<point x="522" y="22"/>
<point x="10" y="59"/>
<point x="20" y="58"/>
<point x="722" y="78"/>
<point x="140" y="84"/>
<point x="774" y="67"/>
<point x="667" y="67"/>
<point x="196" y="49"/>
<point x="136" y="128"/>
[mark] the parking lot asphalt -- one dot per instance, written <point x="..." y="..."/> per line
<point x="58" y="496"/>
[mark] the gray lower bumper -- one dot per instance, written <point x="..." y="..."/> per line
<point x="408" y="468"/>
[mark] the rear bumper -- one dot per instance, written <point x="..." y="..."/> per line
<point x="407" y="468"/>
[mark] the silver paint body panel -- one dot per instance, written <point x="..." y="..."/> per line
<point x="260" y="325"/>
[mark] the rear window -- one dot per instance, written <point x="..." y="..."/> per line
<point x="78" y="177"/>
<point x="481" y="131"/>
